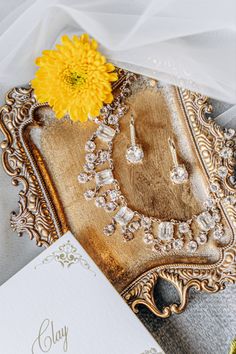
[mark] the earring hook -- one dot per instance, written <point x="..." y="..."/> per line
<point x="132" y="130"/>
<point x="173" y="151"/>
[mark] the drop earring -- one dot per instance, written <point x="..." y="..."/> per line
<point x="134" y="153"/>
<point x="178" y="173"/>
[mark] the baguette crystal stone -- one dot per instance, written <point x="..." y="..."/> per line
<point x="104" y="177"/>
<point x="124" y="216"/>
<point x="165" y="231"/>
<point x="206" y="221"/>
<point x="105" y="133"/>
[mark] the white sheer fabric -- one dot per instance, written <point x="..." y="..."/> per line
<point x="185" y="42"/>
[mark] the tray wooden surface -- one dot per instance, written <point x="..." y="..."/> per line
<point x="46" y="155"/>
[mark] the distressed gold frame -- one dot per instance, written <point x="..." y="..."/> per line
<point x="41" y="214"/>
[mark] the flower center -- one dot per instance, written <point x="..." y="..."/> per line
<point x="73" y="78"/>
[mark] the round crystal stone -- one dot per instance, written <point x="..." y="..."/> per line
<point x="167" y="247"/>
<point x="229" y="133"/>
<point x="183" y="227"/>
<point x="134" y="154"/>
<point x="156" y="247"/>
<point x="104" y="155"/>
<point x="202" y="238"/>
<point x="100" y="202"/>
<point x="90" y="157"/>
<point x="178" y="244"/>
<point x="90" y="146"/>
<point x="128" y="236"/>
<point x="109" y="230"/>
<point x="209" y="203"/>
<point x="214" y="187"/>
<point x="113" y="194"/>
<point x="89" y="194"/>
<point x="218" y="233"/>
<point x="148" y="238"/>
<point x="112" y="119"/>
<point x="88" y="167"/>
<point x="134" y="226"/>
<point x="222" y="171"/>
<point x="192" y="246"/>
<point x="232" y="180"/>
<point x="226" y="152"/>
<point x="179" y="174"/>
<point x="121" y="111"/>
<point x="216" y="216"/>
<point x="146" y="222"/>
<point x="230" y="199"/>
<point x="83" y="177"/>
<point x="104" y="112"/>
<point x="110" y="207"/>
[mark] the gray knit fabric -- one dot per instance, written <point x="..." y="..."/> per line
<point x="207" y="326"/>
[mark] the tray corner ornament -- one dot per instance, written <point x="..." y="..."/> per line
<point x="37" y="215"/>
<point x="41" y="214"/>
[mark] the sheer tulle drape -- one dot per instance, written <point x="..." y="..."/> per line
<point x="184" y="42"/>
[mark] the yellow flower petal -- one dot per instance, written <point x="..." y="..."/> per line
<point x="74" y="78"/>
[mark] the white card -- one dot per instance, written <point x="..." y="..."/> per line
<point x="62" y="303"/>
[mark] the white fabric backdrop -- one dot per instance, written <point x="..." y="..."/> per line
<point x="185" y="42"/>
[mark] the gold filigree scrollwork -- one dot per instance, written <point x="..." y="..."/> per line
<point x="209" y="139"/>
<point x="37" y="215"/>
<point x="210" y="279"/>
<point x="41" y="216"/>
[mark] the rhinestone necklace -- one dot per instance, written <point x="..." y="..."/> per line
<point x="161" y="235"/>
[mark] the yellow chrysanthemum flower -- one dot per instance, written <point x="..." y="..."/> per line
<point x="74" y="78"/>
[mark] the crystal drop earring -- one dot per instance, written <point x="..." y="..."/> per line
<point x="178" y="173"/>
<point x="134" y="153"/>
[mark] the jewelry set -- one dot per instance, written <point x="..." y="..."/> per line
<point x="160" y="235"/>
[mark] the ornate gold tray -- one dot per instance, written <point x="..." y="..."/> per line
<point x="45" y="156"/>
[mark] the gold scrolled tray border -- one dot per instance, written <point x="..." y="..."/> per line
<point x="41" y="214"/>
